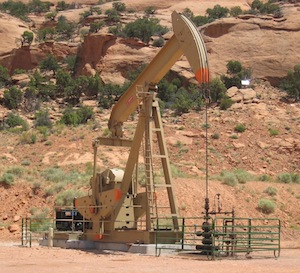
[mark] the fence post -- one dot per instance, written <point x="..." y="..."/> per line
<point x="50" y="237"/>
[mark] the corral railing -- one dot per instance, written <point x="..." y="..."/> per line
<point x="227" y="236"/>
<point x="34" y="229"/>
<point x="245" y="235"/>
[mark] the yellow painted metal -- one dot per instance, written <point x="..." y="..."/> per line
<point x="186" y="40"/>
<point x="114" y="207"/>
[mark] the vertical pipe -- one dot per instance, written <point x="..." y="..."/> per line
<point x="50" y="237"/>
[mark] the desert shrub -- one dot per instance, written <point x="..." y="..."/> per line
<point x="235" y="74"/>
<point x="12" y="97"/>
<point x="15" y="8"/>
<point x="183" y="101"/>
<point x="159" y="42"/>
<point x="42" y="118"/>
<point x="232" y="178"/>
<point x="96" y="26"/>
<point x="112" y="15"/>
<point x="258" y="6"/>
<point x="28" y="137"/>
<point x="243" y="176"/>
<point x="285" y="178"/>
<point x="66" y="198"/>
<point x="26" y="162"/>
<point x="65" y="28"/>
<point x="39" y="220"/>
<point x="49" y="64"/>
<point x="217" y="12"/>
<point x="75" y="117"/>
<point x="240" y="128"/>
<point x="44" y="131"/>
<point x="266" y="206"/>
<point x="16" y="171"/>
<point x="7" y="179"/>
<point x="273" y="132"/>
<point x="264" y="177"/>
<point x="215" y="136"/>
<point x="13" y="120"/>
<point x="119" y="6"/>
<point x="144" y="28"/>
<point x="271" y="191"/>
<point x="44" y="34"/>
<point x="149" y="10"/>
<point x="229" y="179"/>
<point x="295" y="178"/>
<point x="291" y="83"/>
<point x="62" y="5"/>
<point x="58" y="175"/>
<point x="217" y="89"/>
<point x="27" y="37"/>
<point x="235" y="11"/>
<point x="4" y="75"/>
<point x="176" y="172"/>
<point x="226" y="102"/>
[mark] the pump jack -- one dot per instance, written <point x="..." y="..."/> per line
<point x="115" y="208"/>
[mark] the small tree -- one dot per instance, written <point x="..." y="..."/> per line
<point x="149" y="10"/>
<point x="236" y="11"/>
<point x="217" y="12"/>
<point x="96" y="26"/>
<point x="112" y="15"/>
<point x="291" y="83"/>
<point x="13" y="97"/>
<point x="51" y="15"/>
<point x="217" y="89"/>
<point x="119" y="6"/>
<point x="4" y="75"/>
<point x="27" y="37"/>
<point x="42" y="118"/>
<point x="49" y="63"/>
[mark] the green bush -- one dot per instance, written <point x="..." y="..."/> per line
<point x="42" y="118"/>
<point x="217" y="90"/>
<point x="159" y="42"/>
<point x="264" y="177"/>
<point x="13" y="97"/>
<point x="7" y="179"/>
<point x="240" y="128"/>
<point x="215" y="136"/>
<point x="273" y="132"/>
<point x="291" y="83"/>
<point x="4" y="76"/>
<point x="289" y="178"/>
<point x="118" y="6"/>
<point x="144" y="28"/>
<point x="28" y="137"/>
<point x="49" y="64"/>
<point x="271" y="191"/>
<point x="266" y="206"/>
<point x="229" y="179"/>
<point x="226" y="102"/>
<point x="232" y="178"/>
<point x="66" y="198"/>
<point x="13" y="120"/>
<point x="75" y="117"/>
<point x="27" y="37"/>
<point x="285" y="178"/>
<point x="243" y="176"/>
<point x="217" y="12"/>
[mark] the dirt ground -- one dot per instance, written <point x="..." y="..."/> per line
<point x="15" y="259"/>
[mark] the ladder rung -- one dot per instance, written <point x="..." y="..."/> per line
<point x="162" y="186"/>
<point x="159" y="156"/>
<point x="156" y="129"/>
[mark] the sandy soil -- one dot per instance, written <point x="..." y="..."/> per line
<point x="15" y="259"/>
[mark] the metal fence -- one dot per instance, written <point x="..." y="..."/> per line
<point x="225" y="236"/>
